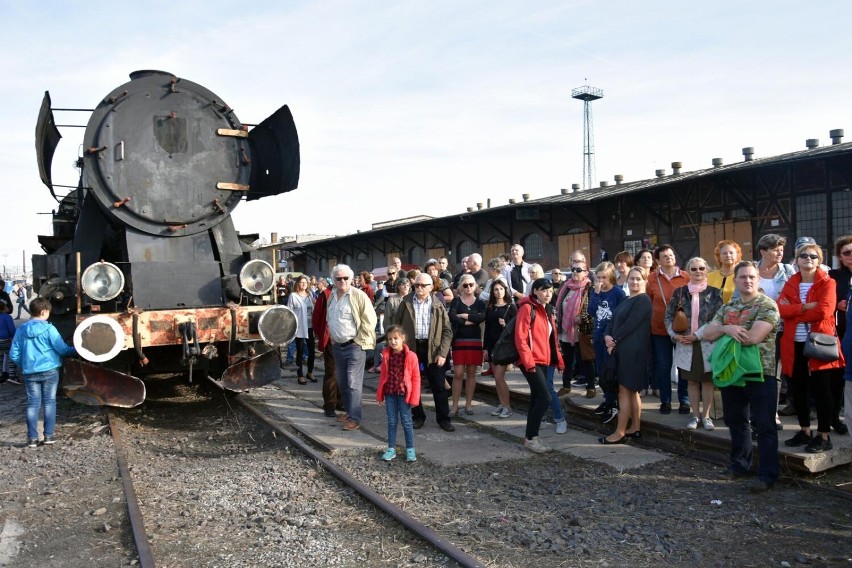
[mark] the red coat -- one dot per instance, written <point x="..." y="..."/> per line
<point x="411" y="376"/>
<point x="318" y="319"/>
<point x="542" y="346"/>
<point x="820" y="318"/>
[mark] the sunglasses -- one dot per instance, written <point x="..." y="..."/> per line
<point x="341" y="278"/>
<point x="698" y="268"/>
<point x="468" y="285"/>
<point x="805" y="256"/>
<point x="420" y="285"/>
<point x="846" y="252"/>
<point x="578" y="269"/>
<point x="391" y="273"/>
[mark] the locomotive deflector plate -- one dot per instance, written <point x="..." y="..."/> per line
<point x="171" y="152"/>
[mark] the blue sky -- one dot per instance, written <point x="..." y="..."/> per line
<point x="410" y="108"/>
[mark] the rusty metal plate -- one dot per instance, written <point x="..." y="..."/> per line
<point x="96" y="386"/>
<point x="252" y="373"/>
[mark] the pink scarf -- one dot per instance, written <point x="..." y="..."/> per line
<point x="695" y="290"/>
<point x="572" y="307"/>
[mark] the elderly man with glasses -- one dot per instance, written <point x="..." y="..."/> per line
<point x="428" y="333"/>
<point x="352" y="329"/>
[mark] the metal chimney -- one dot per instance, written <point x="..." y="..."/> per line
<point x="564" y="191"/>
<point x="660" y="173"/>
<point x="676" y="166"/>
<point x="479" y="205"/>
<point x="526" y="196"/>
<point x="489" y="203"/>
<point x="618" y="179"/>
<point x="812" y="143"/>
<point x="470" y="209"/>
<point x="836" y="135"/>
<point x="604" y="184"/>
<point x="748" y="154"/>
<point x="512" y="202"/>
<point x="575" y="187"/>
<point x="717" y="162"/>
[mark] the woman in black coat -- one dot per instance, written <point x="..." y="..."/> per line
<point x="628" y="337"/>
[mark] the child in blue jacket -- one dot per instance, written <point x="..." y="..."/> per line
<point x="38" y="349"/>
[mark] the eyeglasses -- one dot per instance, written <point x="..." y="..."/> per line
<point x="805" y="256"/>
<point x="578" y="269"/>
<point x="391" y="273"/>
<point x="847" y="252"/>
<point x="421" y="285"/>
<point x="468" y="285"/>
<point x="698" y="268"/>
<point x="341" y="278"/>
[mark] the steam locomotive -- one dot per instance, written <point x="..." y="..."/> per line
<point x="144" y="269"/>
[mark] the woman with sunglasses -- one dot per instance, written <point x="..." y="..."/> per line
<point x="467" y="312"/>
<point x="572" y="320"/>
<point x="699" y="302"/>
<point x="807" y="304"/>
<point x="728" y="254"/>
<point x="842" y="277"/>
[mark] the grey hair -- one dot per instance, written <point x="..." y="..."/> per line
<point x="342" y="268"/>
<point x="476" y="258"/>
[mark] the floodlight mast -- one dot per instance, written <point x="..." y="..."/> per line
<point x="588" y="94"/>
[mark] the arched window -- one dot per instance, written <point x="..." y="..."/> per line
<point x="416" y="255"/>
<point x="466" y="248"/>
<point x="533" y="247"/>
<point x="347" y="260"/>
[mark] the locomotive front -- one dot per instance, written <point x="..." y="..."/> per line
<point x="154" y="277"/>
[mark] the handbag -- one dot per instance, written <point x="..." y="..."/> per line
<point x="680" y="323"/>
<point x="505" y="352"/>
<point x="609" y="375"/>
<point x="820" y="346"/>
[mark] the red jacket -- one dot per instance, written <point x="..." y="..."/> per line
<point x="411" y="376"/>
<point x="540" y="345"/>
<point x="820" y="318"/>
<point x="659" y="301"/>
<point x="318" y="319"/>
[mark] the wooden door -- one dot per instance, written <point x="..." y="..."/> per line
<point x="493" y="250"/>
<point x="393" y="255"/>
<point x="436" y="253"/>
<point x="572" y="242"/>
<point x="710" y="234"/>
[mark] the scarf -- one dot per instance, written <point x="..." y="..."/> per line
<point x="571" y="307"/>
<point x="695" y="290"/>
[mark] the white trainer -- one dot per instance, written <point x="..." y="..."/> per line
<point x="497" y="411"/>
<point x="506" y="412"/>
<point x="708" y="424"/>
<point x="561" y="426"/>
<point x="692" y="424"/>
<point x="536" y="445"/>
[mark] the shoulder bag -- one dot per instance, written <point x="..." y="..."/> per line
<point x="680" y="323"/>
<point x="820" y="346"/>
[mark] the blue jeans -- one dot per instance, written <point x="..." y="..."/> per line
<point x="555" y="405"/>
<point x="397" y="408"/>
<point x="539" y="398"/>
<point x="349" y="363"/>
<point x="760" y="398"/>
<point x="41" y="392"/>
<point x="663" y="350"/>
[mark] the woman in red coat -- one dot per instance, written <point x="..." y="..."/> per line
<point x="806" y="303"/>
<point x="538" y="350"/>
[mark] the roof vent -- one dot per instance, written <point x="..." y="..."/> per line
<point x="836" y="135"/>
<point x="660" y="173"/>
<point x="564" y="191"/>
<point x="812" y="143"/>
<point x="470" y="209"/>
<point x="717" y="162"/>
<point x="526" y="196"/>
<point x="618" y="179"/>
<point x="748" y="153"/>
<point x="512" y="202"/>
<point x="575" y="187"/>
<point x="604" y="184"/>
<point x="676" y="166"/>
<point x="479" y="205"/>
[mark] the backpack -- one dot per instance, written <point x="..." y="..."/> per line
<point x="505" y="352"/>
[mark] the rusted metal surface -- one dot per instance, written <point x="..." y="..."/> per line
<point x="137" y="522"/>
<point x="97" y="386"/>
<point x="252" y="373"/>
<point x="161" y="327"/>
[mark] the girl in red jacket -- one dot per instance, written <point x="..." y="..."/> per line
<point x="807" y="303"/>
<point x="399" y="387"/>
<point x="539" y="353"/>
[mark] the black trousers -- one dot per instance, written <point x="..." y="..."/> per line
<point x="804" y="384"/>
<point x="435" y="375"/>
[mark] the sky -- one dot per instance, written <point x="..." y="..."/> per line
<point x="427" y="108"/>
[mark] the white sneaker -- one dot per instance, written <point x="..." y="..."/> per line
<point x="692" y="424"/>
<point x="506" y="412"/>
<point x="561" y="426"/>
<point x="708" y="424"/>
<point x="497" y="411"/>
<point x="536" y="445"/>
<point x="544" y="423"/>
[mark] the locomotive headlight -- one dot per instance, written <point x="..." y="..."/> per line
<point x="278" y="326"/>
<point x="257" y="277"/>
<point x="102" y="281"/>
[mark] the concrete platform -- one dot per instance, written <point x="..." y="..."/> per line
<point x="478" y="438"/>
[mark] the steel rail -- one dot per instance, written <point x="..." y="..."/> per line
<point x="412" y="524"/>
<point x="137" y="523"/>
